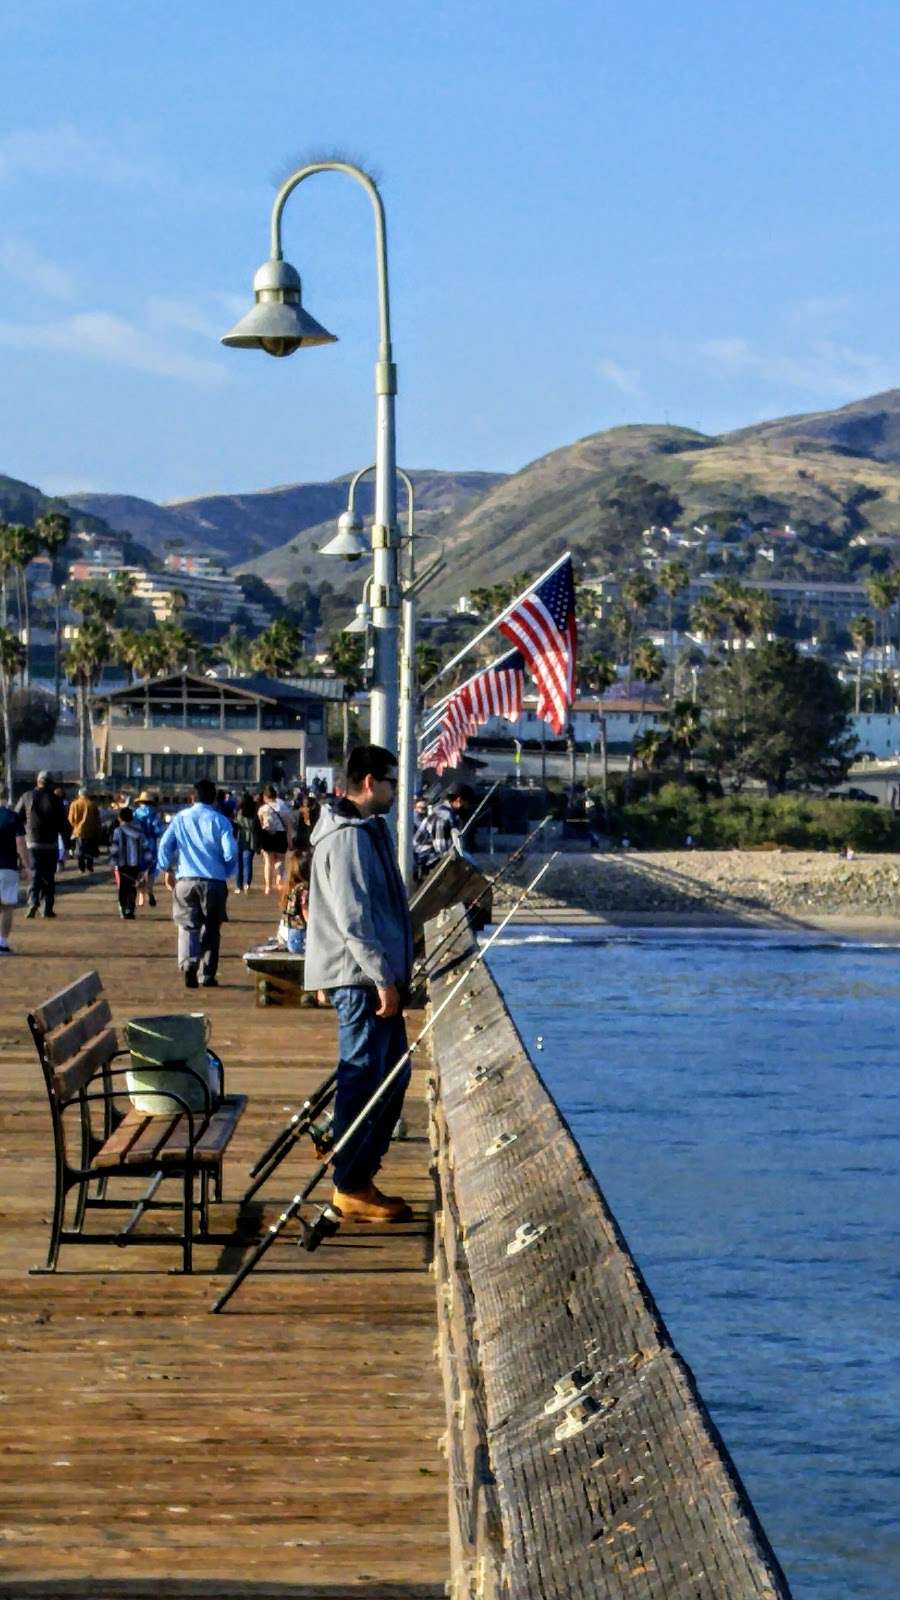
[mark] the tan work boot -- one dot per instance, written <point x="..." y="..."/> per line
<point x="370" y="1205"/>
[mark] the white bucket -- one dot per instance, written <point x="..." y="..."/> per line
<point x="155" y="1043"/>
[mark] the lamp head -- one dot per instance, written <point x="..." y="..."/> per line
<point x="362" y="621"/>
<point x="348" y="542"/>
<point x="277" y="323"/>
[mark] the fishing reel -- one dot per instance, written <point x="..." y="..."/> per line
<point x="322" y="1135"/>
<point x="325" y="1224"/>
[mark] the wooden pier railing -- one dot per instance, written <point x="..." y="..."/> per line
<point x="582" y="1459"/>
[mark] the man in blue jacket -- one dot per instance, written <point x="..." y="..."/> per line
<point x="359" y="948"/>
<point x="202" y="843"/>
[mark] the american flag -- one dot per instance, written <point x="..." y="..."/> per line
<point x="495" y="692"/>
<point x="542" y="626"/>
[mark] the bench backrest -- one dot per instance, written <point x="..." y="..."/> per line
<point x="74" y="1037"/>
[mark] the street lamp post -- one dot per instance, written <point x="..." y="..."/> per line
<point x="278" y="324"/>
<point x="348" y="543"/>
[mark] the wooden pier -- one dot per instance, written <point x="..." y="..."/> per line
<point x="287" y="1448"/>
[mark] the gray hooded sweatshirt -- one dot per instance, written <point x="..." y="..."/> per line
<point x="359" y="931"/>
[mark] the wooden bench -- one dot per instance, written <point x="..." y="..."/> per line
<point x="98" y="1135"/>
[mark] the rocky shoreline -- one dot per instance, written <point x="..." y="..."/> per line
<point x="724" y="886"/>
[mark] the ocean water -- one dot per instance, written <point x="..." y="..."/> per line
<point x="738" y="1100"/>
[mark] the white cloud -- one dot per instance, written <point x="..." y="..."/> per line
<point x="163" y="312"/>
<point x="822" y="366"/>
<point x="103" y="336"/>
<point x="625" y="379"/>
<point x="20" y="260"/>
<point x="65" y="152"/>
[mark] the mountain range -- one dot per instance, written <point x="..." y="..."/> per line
<point x="837" y="471"/>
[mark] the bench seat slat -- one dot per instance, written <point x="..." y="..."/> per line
<point x="67" y="1040"/>
<point x="210" y="1147"/>
<point x="62" y="1007"/>
<point x="121" y="1141"/>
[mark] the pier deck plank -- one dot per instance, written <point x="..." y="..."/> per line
<point x="286" y="1447"/>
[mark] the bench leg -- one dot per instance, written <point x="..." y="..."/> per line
<point x="204" y="1201"/>
<point x="188" y="1218"/>
<point x="59" y="1206"/>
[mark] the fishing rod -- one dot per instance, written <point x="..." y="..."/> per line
<point x="303" y="1121"/>
<point x="328" y="1221"/>
<point x="426" y="967"/>
<point x="477" y="813"/>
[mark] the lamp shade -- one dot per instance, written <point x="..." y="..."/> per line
<point x="277" y="323"/>
<point x="362" y="621"/>
<point x="349" y="541"/>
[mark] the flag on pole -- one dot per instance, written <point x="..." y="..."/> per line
<point x="497" y="691"/>
<point x="494" y="692"/>
<point x="542" y="626"/>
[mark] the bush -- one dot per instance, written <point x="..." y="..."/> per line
<point x="664" y="821"/>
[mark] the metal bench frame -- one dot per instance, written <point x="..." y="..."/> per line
<point x="76" y="1046"/>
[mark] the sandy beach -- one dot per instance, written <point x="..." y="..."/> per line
<point x="714" y="888"/>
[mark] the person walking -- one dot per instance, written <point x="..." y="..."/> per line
<point x="275" y="838"/>
<point x="202" y="843"/>
<point x="86" y="829"/>
<point x="44" y="815"/>
<point x="130" y="854"/>
<point x="359" y="949"/>
<point x="13" y="860"/>
<point x="247" y="833"/>
<point x="148" y="819"/>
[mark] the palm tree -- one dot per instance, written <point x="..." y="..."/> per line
<point x="53" y="530"/>
<point x="127" y="646"/>
<point x="24" y="545"/>
<point x="706" y="617"/>
<point x="862" y="632"/>
<point x="237" y="650"/>
<point x="649" y="667"/>
<point x="881" y="592"/>
<point x="85" y="661"/>
<point x="600" y="674"/>
<point x="638" y="592"/>
<point x="149" y="654"/>
<point x="684" y="722"/>
<point x="12" y="656"/>
<point x="278" y="651"/>
<point x="673" y="578"/>
<point x="346" y="659"/>
<point x="650" y="748"/>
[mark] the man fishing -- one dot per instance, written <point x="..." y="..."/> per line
<point x="359" y="949"/>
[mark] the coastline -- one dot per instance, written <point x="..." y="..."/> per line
<point x="777" y="891"/>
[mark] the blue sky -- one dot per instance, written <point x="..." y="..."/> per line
<point x="598" y="213"/>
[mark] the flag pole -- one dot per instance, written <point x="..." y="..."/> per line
<point x="566" y="556"/>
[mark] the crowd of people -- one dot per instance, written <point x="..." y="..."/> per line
<point x="333" y="865"/>
<point x="42" y="834"/>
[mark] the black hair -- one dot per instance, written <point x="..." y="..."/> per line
<point x="205" y="790"/>
<point x="126" y="814"/>
<point x="368" y="760"/>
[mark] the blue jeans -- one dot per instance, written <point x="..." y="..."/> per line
<point x="244" y="868"/>
<point x="369" y="1047"/>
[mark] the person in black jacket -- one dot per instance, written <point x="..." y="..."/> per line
<point x="46" y="823"/>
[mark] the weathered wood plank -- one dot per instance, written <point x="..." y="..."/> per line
<point x="78" y="1072"/>
<point x="624" y="1488"/>
<point x="62" y="1007"/>
<point x="285" y="1449"/>
<point x="66" y="1041"/>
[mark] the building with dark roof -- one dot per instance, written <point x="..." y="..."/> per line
<point x="170" y="731"/>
